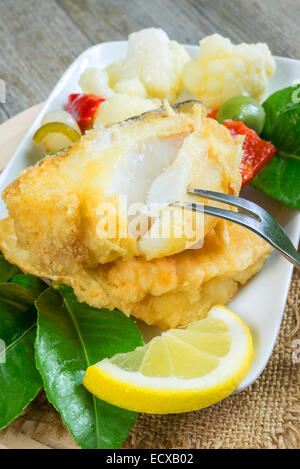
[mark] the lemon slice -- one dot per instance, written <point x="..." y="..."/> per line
<point x="180" y="371"/>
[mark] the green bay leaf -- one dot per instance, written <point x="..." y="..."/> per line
<point x="19" y="379"/>
<point x="7" y="270"/>
<point x="273" y="106"/>
<point x="280" y="177"/>
<point x="70" y="337"/>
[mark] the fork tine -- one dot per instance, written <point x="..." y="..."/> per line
<point x="267" y="227"/>
<point x="250" y="208"/>
<point x="236" y="217"/>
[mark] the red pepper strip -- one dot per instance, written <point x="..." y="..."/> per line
<point x="257" y="152"/>
<point x="83" y="107"/>
<point x="213" y="114"/>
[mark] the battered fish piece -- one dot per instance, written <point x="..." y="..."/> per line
<point x="63" y="207"/>
<point x="167" y="292"/>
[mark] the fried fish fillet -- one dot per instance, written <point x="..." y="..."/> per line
<point x="63" y="206"/>
<point x="57" y="229"/>
<point x="166" y="292"/>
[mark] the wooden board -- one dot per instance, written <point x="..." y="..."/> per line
<point x="13" y="130"/>
<point x="41" y="38"/>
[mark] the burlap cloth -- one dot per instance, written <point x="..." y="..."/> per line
<point x="266" y="415"/>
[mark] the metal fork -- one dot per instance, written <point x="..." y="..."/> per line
<point x="249" y="215"/>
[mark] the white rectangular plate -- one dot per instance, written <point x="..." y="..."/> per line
<point x="260" y="303"/>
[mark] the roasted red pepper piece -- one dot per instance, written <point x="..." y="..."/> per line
<point x="257" y="152"/>
<point x="83" y="107"/>
<point x="213" y="114"/>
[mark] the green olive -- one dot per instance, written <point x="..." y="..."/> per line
<point x="245" y="109"/>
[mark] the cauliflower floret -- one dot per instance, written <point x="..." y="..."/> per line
<point x="223" y="70"/>
<point x="95" y="81"/>
<point x="155" y="60"/>
<point x="121" y="106"/>
<point x="131" y="87"/>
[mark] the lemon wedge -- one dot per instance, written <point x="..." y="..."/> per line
<point x="180" y="371"/>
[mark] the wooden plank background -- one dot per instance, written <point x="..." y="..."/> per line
<point x="40" y="38"/>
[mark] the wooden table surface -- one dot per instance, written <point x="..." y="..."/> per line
<point x="40" y="38"/>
